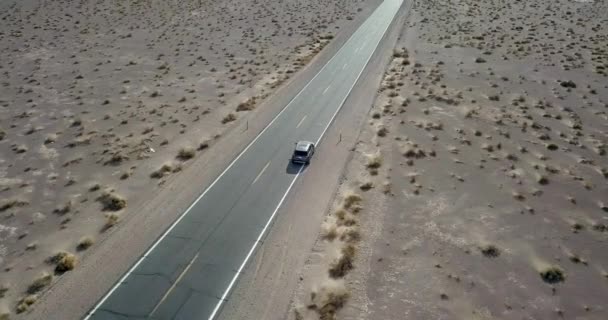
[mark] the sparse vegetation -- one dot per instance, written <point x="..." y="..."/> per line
<point x="40" y="283"/>
<point x="490" y="251"/>
<point x="374" y="161"/>
<point x="165" y="169"/>
<point x="344" y="263"/>
<point x="85" y="243"/>
<point x="229" y="118"/>
<point x="186" y="153"/>
<point x="65" y="208"/>
<point x="382" y="131"/>
<point x="247" y="105"/>
<point x="12" y="203"/>
<point x="331" y="297"/>
<point x="26" y="302"/>
<point x="330" y="232"/>
<point x="366" y="186"/>
<point x="3" y="289"/>
<point x="553" y="275"/>
<point x="351" y="199"/>
<point x="203" y="145"/>
<point x="110" y="201"/>
<point x="50" y="138"/>
<point x="64" y="261"/>
<point x="111" y="220"/>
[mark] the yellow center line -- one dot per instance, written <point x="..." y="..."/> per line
<point x="260" y="174"/>
<point x="299" y="124"/>
<point x="174" y="284"/>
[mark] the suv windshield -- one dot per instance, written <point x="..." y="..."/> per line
<point x="300" y="153"/>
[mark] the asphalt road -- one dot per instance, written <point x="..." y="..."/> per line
<point x="189" y="271"/>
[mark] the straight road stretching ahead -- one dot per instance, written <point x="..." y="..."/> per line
<point x="190" y="269"/>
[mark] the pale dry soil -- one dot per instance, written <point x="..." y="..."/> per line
<point x="101" y="103"/>
<point x="482" y="172"/>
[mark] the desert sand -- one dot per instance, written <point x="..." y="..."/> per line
<point x="478" y="187"/>
<point x="103" y="103"/>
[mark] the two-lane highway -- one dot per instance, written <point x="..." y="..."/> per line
<point x="189" y="271"/>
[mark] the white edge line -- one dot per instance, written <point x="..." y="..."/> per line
<point x="236" y="275"/>
<point x="252" y="250"/>
<point x="109" y="293"/>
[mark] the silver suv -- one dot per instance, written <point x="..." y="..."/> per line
<point x="303" y="152"/>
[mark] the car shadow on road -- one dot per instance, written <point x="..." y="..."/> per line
<point x="293" y="168"/>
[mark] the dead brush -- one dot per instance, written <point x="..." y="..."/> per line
<point x="329" y="299"/>
<point x="186" y="153"/>
<point x="40" y="283"/>
<point x="246" y="105"/>
<point x="412" y="151"/>
<point x="64" y="261"/>
<point x="111" y="220"/>
<point x="110" y="201"/>
<point x="344" y="218"/>
<point x="374" y="161"/>
<point x="351" y="199"/>
<point x="165" y="169"/>
<point x="344" y="263"/>
<point x="65" y="208"/>
<point x="229" y="118"/>
<point x="340" y="214"/>
<point x="84" y="243"/>
<point x="27" y="301"/>
<point x="329" y="229"/>
<point x="350" y="235"/>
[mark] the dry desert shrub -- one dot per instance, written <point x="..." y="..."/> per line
<point x="553" y="275"/>
<point x="111" y="201"/>
<point x="50" y="138"/>
<point x="63" y="261"/>
<point x="330" y="231"/>
<point x="203" y="145"/>
<point x="247" y="105"/>
<point x="40" y="283"/>
<point x="3" y="289"/>
<point x="351" y="235"/>
<point x="111" y="220"/>
<point x="12" y="203"/>
<point x="374" y="161"/>
<point x="166" y="169"/>
<point x="26" y="302"/>
<point x="331" y="297"/>
<point x="490" y="251"/>
<point x="344" y="263"/>
<point x="85" y="243"/>
<point x="351" y="199"/>
<point x="382" y="131"/>
<point x="229" y="118"/>
<point x="65" y="208"/>
<point x="186" y="153"/>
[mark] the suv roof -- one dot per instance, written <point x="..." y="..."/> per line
<point x="303" y="145"/>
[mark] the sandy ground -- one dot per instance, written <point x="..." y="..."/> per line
<point x="103" y="103"/>
<point x="478" y="187"/>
